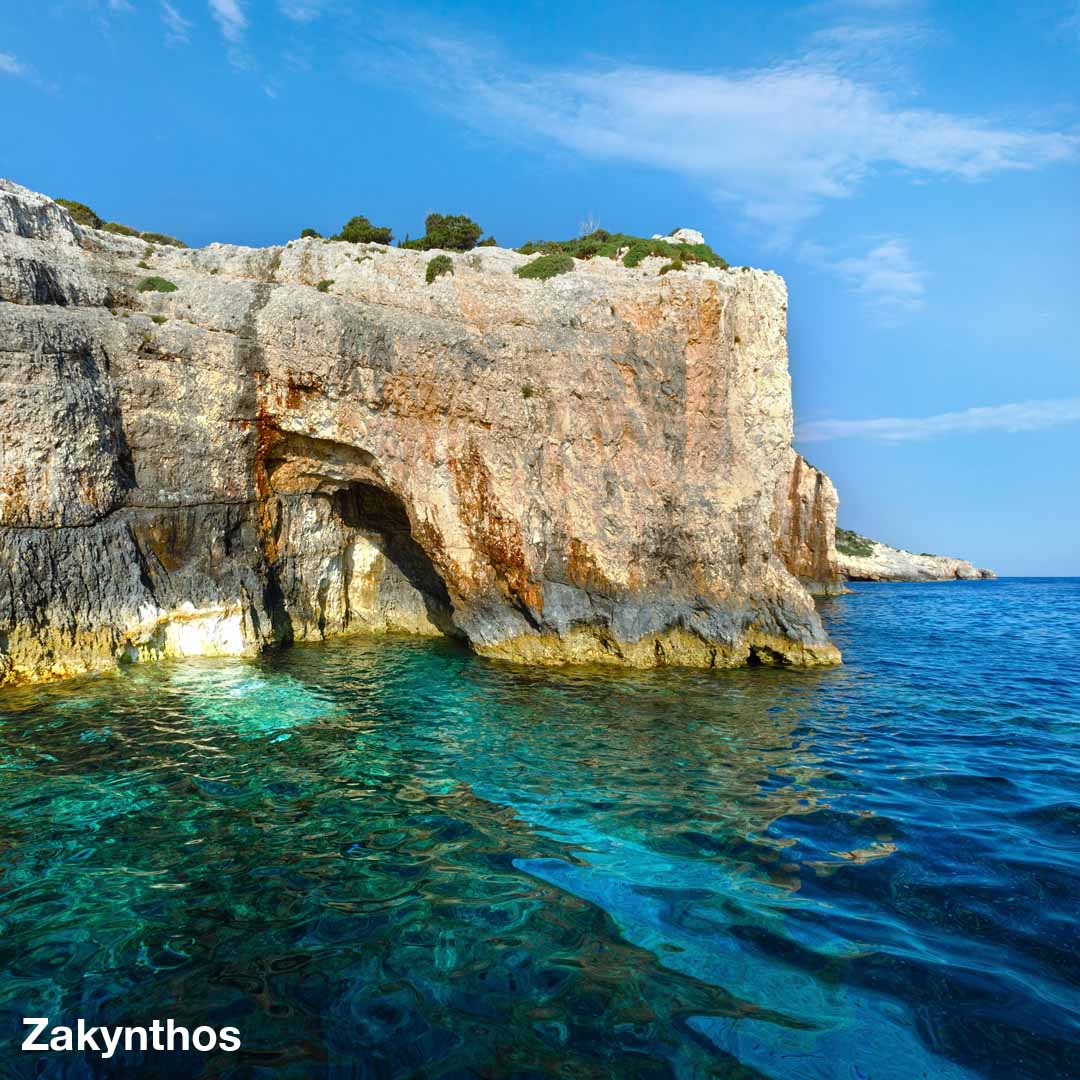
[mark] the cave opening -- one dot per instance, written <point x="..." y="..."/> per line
<point x="410" y="578"/>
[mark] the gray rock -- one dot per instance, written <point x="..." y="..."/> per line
<point x="594" y="468"/>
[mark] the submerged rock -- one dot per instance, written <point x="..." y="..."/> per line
<point x="310" y="440"/>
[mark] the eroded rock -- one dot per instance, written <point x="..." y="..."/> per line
<point x="592" y="468"/>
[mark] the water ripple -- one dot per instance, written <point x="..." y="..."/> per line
<point x="390" y="858"/>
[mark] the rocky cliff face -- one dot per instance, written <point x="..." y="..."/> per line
<point x="592" y="468"/>
<point x="804" y="524"/>
<point x="885" y="563"/>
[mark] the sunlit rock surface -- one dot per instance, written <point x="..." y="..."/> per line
<point x="886" y="563"/>
<point x="593" y="468"/>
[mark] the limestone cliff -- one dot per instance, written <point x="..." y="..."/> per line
<point x="804" y="524"/>
<point x="591" y="468"/>
<point x="860" y="559"/>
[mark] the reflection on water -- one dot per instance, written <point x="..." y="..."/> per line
<point x="390" y="858"/>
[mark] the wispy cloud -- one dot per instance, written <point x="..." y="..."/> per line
<point x="1018" y="416"/>
<point x="886" y="277"/>
<point x="11" y="65"/>
<point x="778" y="142"/>
<point x="230" y="16"/>
<point x="301" y="10"/>
<point x="177" y="28"/>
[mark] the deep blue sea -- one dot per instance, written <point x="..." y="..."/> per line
<point x="390" y="858"/>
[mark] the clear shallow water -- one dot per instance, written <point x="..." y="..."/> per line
<point x="390" y="858"/>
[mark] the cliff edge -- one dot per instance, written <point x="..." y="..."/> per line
<point x="308" y="440"/>
<point x="861" y="559"/>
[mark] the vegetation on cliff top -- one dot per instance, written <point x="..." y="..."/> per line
<point x="457" y="232"/>
<point x="436" y="267"/>
<point x="851" y="543"/>
<point x="602" y="244"/>
<point x="451" y="232"/>
<point x="161" y="238"/>
<point x="547" y="266"/>
<point x="83" y="215"/>
<point x="358" y="230"/>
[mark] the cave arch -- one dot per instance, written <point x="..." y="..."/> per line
<point x="380" y="516"/>
<point x="347" y="559"/>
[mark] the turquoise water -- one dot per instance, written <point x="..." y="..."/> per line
<point x="390" y="858"/>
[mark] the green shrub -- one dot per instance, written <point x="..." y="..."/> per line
<point x="358" y="230"/>
<point x="305" y="233"/>
<point x="156" y="284"/>
<point x="488" y="241"/>
<point x="527" y="392"/>
<point x="162" y="238"/>
<point x="143" y="264"/>
<point x="120" y="230"/>
<point x="675" y="264"/>
<point x="449" y="232"/>
<point x="436" y="267"/>
<point x="81" y="213"/>
<point x="601" y="243"/>
<point x="851" y="543"/>
<point x="547" y="266"/>
<point x="159" y="319"/>
<point x="324" y="285"/>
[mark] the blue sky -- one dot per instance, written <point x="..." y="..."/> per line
<point x="912" y="169"/>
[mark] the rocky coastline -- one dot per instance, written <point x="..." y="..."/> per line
<point x="861" y="559"/>
<point x="307" y="440"/>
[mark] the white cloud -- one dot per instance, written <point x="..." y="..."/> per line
<point x="10" y="65"/>
<point x="177" y="28"/>
<point x="230" y="16"/>
<point x="778" y="142"/>
<point x="1018" y="416"/>
<point x="886" y="277"/>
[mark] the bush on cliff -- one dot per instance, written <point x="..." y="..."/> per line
<point x="547" y="266"/>
<point x="603" y="244"/>
<point x="488" y="241"/>
<point x="81" y="213"/>
<point x="358" y="230"/>
<point x="161" y="238"/>
<point x="441" y="264"/>
<point x="851" y="543"/>
<point x="120" y="230"/>
<point x="451" y="232"/>
<point x="156" y="284"/>
<point x="324" y="285"/>
<point x="306" y="233"/>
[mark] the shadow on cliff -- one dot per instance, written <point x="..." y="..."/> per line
<point x="370" y="509"/>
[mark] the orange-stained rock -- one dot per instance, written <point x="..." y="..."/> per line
<point x="597" y="467"/>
